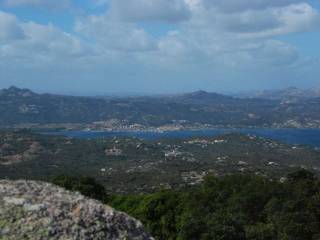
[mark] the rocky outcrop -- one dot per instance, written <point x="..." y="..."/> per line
<point x="38" y="210"/>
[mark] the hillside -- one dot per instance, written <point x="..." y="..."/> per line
<point x="241" y="207"/>
<point x="37" y="210"/>
<point x="198" y="109"/>
<point x="127" y="165"/>
<point x="287" y="94"/>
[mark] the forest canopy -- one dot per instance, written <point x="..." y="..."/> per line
<point x="230" y="207"/>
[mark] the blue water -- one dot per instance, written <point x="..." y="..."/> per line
<point x="290" y="136"/>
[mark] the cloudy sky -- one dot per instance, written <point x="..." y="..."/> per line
<point x="159" y="46"/>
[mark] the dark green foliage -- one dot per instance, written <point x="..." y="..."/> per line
<point x="232" y="207"/>
<point x="85" y="185"/>
<point x="301" y="175"/>
<point x="160" y="211"/>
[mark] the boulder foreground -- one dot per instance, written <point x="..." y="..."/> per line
<point x="38" y="210"/>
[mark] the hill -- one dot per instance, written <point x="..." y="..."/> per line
<point x="199" y="109"/>
<point x="287" y="94"/>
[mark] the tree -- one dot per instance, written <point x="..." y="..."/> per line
<point x="85" y="185"/>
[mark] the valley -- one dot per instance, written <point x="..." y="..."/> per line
<point x="133" y="165"/>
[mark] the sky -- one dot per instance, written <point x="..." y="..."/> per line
<point x="159" y="46"/>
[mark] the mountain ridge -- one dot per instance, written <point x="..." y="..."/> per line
<point x="290" y="93"/>
<point x="22" y="106"/>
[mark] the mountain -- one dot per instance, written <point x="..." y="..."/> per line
<point x="201" y="98"/>
<point x="37" y="210"/>
<point x="16" y="92"/>
<point x="22" y="106"/>
<point x="287" y="94"/>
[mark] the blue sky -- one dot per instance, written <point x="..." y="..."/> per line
<point x="159" y="46"/>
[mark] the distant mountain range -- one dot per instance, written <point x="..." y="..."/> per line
<point x="291" y="93"/>
<point x="268" y="109"/>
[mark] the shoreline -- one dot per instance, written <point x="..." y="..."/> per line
<point x="128" y="129"/>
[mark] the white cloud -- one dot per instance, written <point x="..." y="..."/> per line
<point x="115" y="35"/>
<point x="100" y="2"/>
<point x="237" y="39"/>
<point x="205" y="48"/>
<point x="150" y="10"/>
<point x="9" y="28"/>
<point x="230" y="36"/>
<point x="299" y="18"/>
<point x="52" y="4"/>
<point x="248" y="22"/>
<point x="37" y="41"/>
<point x="52" y="41"/>
<point x="274" y="19"/>
<point x="231" y="6"/>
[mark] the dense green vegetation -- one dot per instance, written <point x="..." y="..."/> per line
<point x="86" y="185"/>
<point x="226" y="208"/>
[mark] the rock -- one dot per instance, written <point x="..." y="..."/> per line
<point x="38" y="210"/>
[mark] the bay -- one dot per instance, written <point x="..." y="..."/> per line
<point x="291" y="136"/>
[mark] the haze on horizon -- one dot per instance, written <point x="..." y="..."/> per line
<point x="159" y="46"/>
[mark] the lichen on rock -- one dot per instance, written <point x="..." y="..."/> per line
<point x="38" y="210"/>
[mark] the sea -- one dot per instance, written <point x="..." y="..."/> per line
<point x="309" y="137"/>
